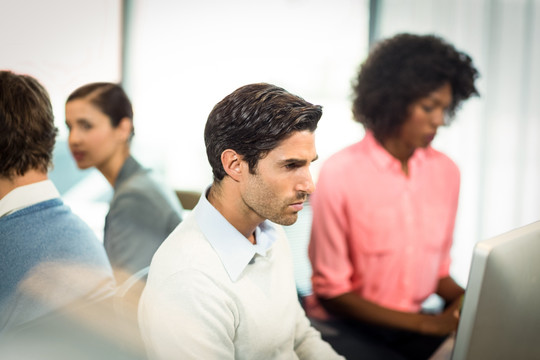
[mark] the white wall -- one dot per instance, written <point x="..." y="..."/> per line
<point x="185" y="56"/>
<point x="62" y="43"/>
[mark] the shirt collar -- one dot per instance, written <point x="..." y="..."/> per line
<point x="27" y="195"/>
<point x="233" y="249"/>
<point x="385" y="160"/>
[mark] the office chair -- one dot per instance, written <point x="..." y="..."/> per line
<point x="188" y="198"/>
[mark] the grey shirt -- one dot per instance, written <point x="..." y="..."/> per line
<point x="142" y="214"/>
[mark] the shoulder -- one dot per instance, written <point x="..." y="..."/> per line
<point x="141" y="190"/>
<point x="52" y="216"/>
<point x="185" y="248"/>
<point x="343" y="158"/>
<point x="441" y="162"/>
<point x="343" y="169"/>
<point x="187" y="272"/>
<point x="139" y="182"/>
<point x="67" y="235"/>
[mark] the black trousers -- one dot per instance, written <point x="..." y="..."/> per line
<point x="366" y="341"/>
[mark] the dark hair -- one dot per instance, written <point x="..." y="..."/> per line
<point x="27" y="131"/>
<point x="109" y="98"/>
<point x="253" y="120"/>
<point x="401" y="70"/>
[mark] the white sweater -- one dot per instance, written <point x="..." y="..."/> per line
<point x="197" y="306"/>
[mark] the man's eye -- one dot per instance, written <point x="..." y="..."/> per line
<point x="291" y="166"/>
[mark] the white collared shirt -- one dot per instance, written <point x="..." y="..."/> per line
<point x="27" y="195"/>
<point x="234" y="250"/>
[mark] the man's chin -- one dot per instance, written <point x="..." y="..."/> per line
<point x="286" y="220"/>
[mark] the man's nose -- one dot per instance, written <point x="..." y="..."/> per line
<point x="307" y="185"/>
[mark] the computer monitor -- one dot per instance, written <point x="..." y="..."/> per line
<point x="500" y="318"/>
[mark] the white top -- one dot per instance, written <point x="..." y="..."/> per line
<point x="211" y="294"/>
<point x="27" y="195"/>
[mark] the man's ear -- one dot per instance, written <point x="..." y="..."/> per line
<point x="232" y="163"/>
<point x="125" y="128"/>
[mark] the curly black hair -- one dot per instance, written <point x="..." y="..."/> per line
<point x="401" y="70"/>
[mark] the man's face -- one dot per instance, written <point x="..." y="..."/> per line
<point x="282" y="180"/>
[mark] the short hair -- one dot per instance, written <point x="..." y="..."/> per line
<point x="253" y="120"/>
<point x="27" y="131"/>
<point x="401" y="70"/>
<point x="109" y="98"/>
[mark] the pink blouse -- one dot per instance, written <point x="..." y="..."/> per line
<point x="378" y="232"/>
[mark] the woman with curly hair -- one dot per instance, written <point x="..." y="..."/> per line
<point x="384" y="208"/>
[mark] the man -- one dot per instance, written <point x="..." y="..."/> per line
<point x="221" y="285"/>
<point x="49" y="258"/>
<point x="384" y="209"/>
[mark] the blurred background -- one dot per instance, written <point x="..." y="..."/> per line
<point x="178" y="58"/>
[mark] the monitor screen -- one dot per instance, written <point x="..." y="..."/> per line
<point x="500" y="318"/>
